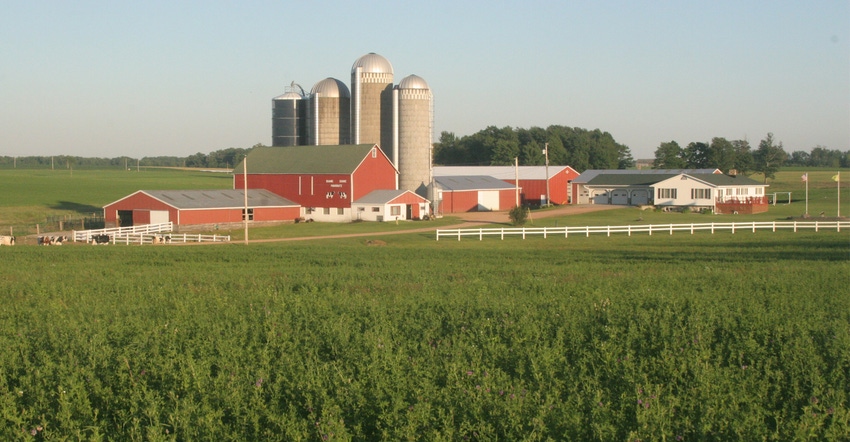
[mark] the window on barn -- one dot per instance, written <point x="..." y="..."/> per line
<point x="395" y="210"/>
<point x="327" y="211"/>
<point x="667" y="193"/>
<point x="250" y="216"/>
<point x="340" y="211"/>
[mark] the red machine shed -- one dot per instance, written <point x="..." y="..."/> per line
<point x="188" y="207"/>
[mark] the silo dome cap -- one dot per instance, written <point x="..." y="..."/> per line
<point x="413" y="82"/>
<point x="373" y="63"/>
<point x="289" y="96"/>
<point x="331" y="87"/>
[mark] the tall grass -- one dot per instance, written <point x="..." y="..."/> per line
<point x="724" y="337"/>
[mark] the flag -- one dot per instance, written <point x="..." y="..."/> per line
<point x="835" y="177"/>
<point x="805" y="177"/>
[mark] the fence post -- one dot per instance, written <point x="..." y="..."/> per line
<point x="587" y="229"/>
<point x="480" y="234"/>
<point x="609" y="231"/>
<point x="816" y="226"/>
<point x="733" y="228"/>
<point x="544" y="233"/>
<point x="671" y="228"/>
<point x="754" y="227"/>
<point x="503" y="233"/>
<point x="692" y="228"/>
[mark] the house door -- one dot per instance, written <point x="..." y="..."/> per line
<point x="409" y="211"/>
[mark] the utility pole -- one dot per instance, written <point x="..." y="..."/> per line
<point x="516" y="179"/>
<point x="546" y="151"/>
<point x="245" y="186"/>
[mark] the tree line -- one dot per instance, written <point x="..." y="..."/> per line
<point x="738" y="155"/>
<point x="568" y="146"/>
<point x="222" y="158"/>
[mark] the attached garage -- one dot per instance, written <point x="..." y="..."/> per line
<point x="194" y="207"/>
<point x="599" y="196"/>
<point x="620" y="197"/>
<point x="640" y="197"/>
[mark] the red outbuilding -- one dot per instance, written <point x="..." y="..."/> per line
<point x="323" y="180"/>
<point x="532" y="180"/>
<point x="194" y="207"/>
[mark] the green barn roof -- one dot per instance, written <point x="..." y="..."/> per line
<point x="340" y="159"/>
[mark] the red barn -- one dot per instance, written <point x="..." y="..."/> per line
<point x="532" y="180"/>
<point x="457" y="194"/>
<point x="324" y="180"/>
<point x="192" y="207"/>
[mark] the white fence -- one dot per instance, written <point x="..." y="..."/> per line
<point x="146" y="234"/>
<point x="167" y="238"/>
<point x="85" y="235"/>
<point x="644" y="228"/>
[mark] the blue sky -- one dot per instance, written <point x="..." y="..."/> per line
<point x="107" y="78"/>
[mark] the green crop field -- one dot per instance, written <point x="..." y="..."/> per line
<point x="741" y="336"/>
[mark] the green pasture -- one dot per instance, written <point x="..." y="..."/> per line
<point x="684" y="337"/>
<point x="30" y="195"/>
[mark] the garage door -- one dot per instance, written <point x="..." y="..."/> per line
<point x="620" y="197"/>
<point x="599" y="197"/>
<point x="488" y="200"/>
<point x="640" y="197"/>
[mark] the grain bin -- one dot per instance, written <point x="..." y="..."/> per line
<point x="329" y="116"/>
<point x="289" y="118"/>
<point x="371" y="102"/>
<point x="413" y="110"/>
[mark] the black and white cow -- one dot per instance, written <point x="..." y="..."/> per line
<point x="51" y="240"/>
<point x="99" y="239"/>
<point x="7" y="240"/>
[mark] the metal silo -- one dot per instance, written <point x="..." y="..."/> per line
<point x="329" y="118"/>
<point x="288" y="118"/>
<point x="413" y="106"/>
<point x="371" y="101"/>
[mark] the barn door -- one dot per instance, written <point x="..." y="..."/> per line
<point x="125" y="218"/>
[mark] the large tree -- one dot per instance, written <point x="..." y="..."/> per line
<point x="769" y="157"/>
<point x="721" y="154"/>
<point x="669" y="156"/>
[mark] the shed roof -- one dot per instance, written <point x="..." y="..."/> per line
<point x="629" y="179"/>
<point x="218" y="198"/>
<point x="590" y="174"/>
<point x="722" y="180"/>
<point x="339" y="159"/>
<point x="471" y="182"/>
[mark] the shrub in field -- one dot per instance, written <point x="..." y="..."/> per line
<point x="518" y="215"/>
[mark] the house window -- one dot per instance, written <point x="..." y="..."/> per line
<point x="376" y="209"/>
<point x="701" y="194"/>
<point x="361" y="209"/>
<point x="395" y="210"/>
<point x="759" y="190"/>
<point x="250" y="216"/>
<point x="374" y="153"/>
<point x="340" y="211"/>
<point x="667" y="193"/>
<point x="327" y="210"/>
<point x="743" y="191"/>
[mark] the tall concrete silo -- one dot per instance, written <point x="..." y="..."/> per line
<point x="329" y="117"/>
<point x="371" y="101"/>
<point x="289" y="121"/>
<point x="413" y="105"/>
